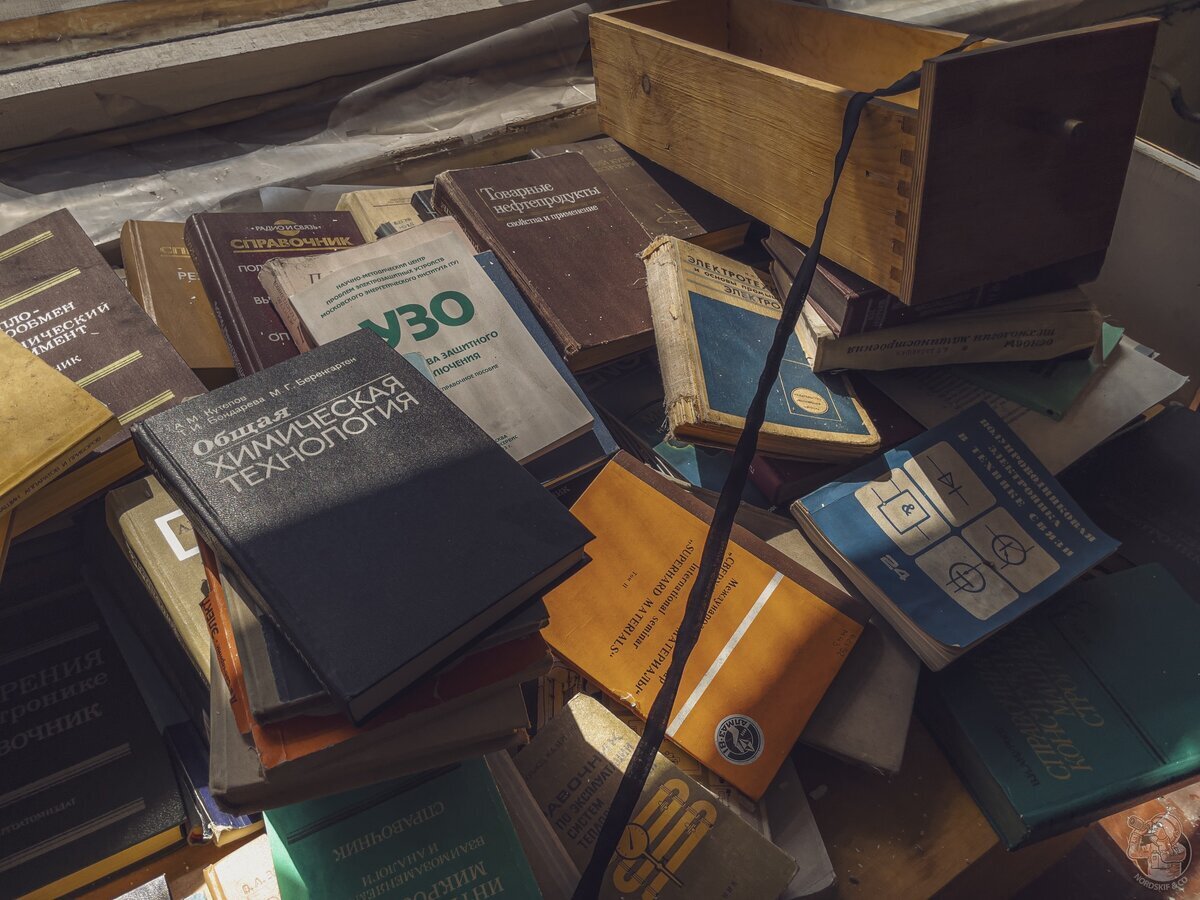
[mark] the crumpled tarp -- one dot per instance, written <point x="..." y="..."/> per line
<point x="524" y="73"/>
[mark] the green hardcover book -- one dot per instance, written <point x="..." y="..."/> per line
<point x="442" y="833"/>
<point x="1077" y="710"/>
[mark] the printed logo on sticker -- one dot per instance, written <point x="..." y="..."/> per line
<point x="739" y="740"/>
<point x="1160" y="849"/>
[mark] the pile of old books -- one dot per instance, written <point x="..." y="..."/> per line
<point x="385" y="518"/>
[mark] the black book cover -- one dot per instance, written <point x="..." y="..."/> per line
<point x="84" y="776"/>
<point x="371" y="519"/>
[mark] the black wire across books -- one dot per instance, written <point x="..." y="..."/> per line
<point x="636" y="773"/>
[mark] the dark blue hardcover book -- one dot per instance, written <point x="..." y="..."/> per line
<point x="191" y="753"/>
<point x="1077" y="710"/>
<point x="954" y="534"/>
<point x="335" y="485"/>
<point x="585" y="452"/>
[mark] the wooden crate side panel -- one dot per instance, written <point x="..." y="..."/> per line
<point x="761" y="138"/>
<point x="699" y="21"/>
<point x="857" y="52"/>
<point x="1021" y="155"/>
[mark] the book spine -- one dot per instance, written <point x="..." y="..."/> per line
<point x="681" y="379"/>
<point x="1038" y="335"/>
<point x="283" y="305"/>
<point x="220" y="292"/>
<point x="216" y="614"/>
<point x="133" y="257"/>
<point x="764" y="477"/>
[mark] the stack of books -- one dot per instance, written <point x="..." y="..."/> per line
<point x="389" y="515"/>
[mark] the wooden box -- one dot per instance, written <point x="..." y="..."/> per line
<point x="1009" y="158"/>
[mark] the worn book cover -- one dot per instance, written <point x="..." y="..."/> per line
<point x="568" y="242"/>
<point x="228" y="250"/>
<point x="1042" y="327"/>
<point x="64" y="303"/>
<point x="444" y="832"/>
<point x="1143" y="487"/>
<point x="48" y="423"/>
<point x="240" y="785"/>
<point x="189" y="749"/>
<point x="87" y="785"/>
<point x="661" y="201"/>
<point x="1077" y="710"/>
<point x="384" y="206"/>
<point x="163" y="280"/>
<point x="681" y="842"/>
<point x="714" y="320"/>
<point x="158" y="541"/>
<point x="954" y="534"/>
<point x="349" y="445"/>
<point x="773" y="629"/>
<point x="431" y="301"/>
<point x="285" y="276"/>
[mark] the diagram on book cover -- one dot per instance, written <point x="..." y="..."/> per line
<point x="936" y="510"/>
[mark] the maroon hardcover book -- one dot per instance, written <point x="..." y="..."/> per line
<point x="228" y="249"/>
<point x="567" y="242"/>
<point x="850" y="304"/>
<point x="63" y="302"/>
<point x="663" y="202"/>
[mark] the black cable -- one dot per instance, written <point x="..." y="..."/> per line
<point x="634" y="781"/>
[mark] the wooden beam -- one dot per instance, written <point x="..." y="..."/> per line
<point x="140" y="84"/>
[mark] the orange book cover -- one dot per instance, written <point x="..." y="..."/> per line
<point x="216" y="616"/>
<point x="506" y="663"/>
<point x="774" y="637"/>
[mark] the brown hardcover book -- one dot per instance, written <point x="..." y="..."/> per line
<point x="228" y="249"/>
<point x="850" y="304"/>
<point x="61" y="300"/>
<point x="663" y="202"/>
<point x="163" y="280"/>
<point x="47" y="423"/>
<point x="569" y="244"/>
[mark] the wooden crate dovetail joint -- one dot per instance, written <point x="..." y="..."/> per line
<point x="1009" y="157"/>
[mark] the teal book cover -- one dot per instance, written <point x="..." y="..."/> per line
<point x="714" y="321"/>
<point x="1046" y="386"/>
<point x="1078" y="709"/>
<point x="443" y="833"/>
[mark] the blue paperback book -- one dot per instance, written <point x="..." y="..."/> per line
<point x="954" y="534"/>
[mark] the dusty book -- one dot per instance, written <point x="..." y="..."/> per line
<point x="1034" y="328"/>
<point x="345" y="443"/>
<point x="87" y="784"/>
<point x="431" y="301"/>
<point x="661" y="201"/>
<point x="65" y="304"/>
<point x="228" y="249"/>
<point x="1064" y="718"/>
<point x="774" y="629"/>
<point x="47" y="423"/>
<point x="954" y="534"/>
<point x="681" y="842"/>
<point x="163" y="280"/>
<point x="385" y="206"/>
<point x="568" y="242"/>
<point x="285" y="276"/>
<point x="714" y="320"/>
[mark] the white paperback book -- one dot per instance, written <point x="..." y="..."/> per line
<point x="433" y="302"/>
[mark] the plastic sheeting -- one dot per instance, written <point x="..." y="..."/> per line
<point x="478" y="90"/>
